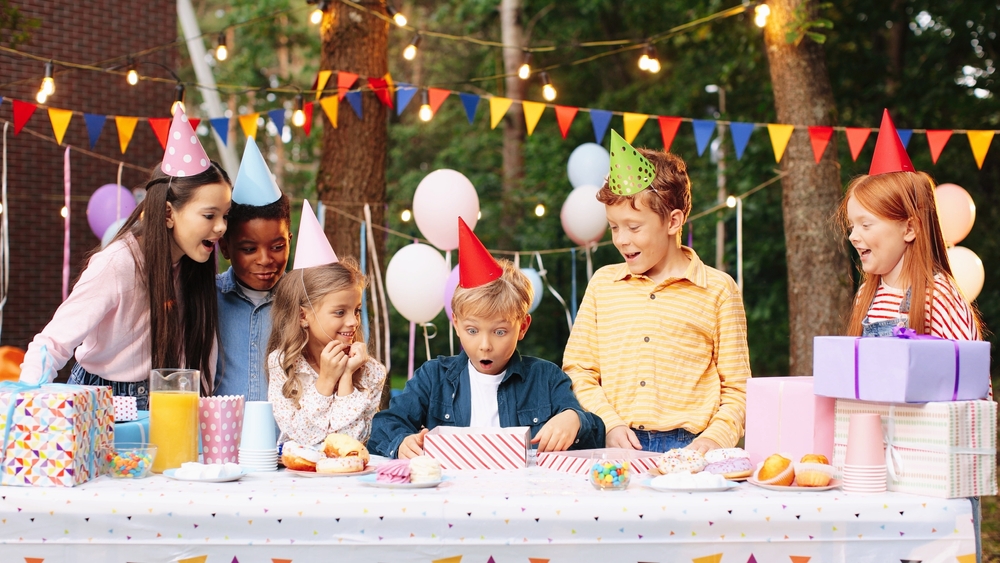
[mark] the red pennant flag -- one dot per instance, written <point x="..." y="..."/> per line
<point x="344" y="82"/>
<point x="194" y="121"/>
<point x="565" y="116"/>
<point x="820" y="136"/>
<point x="161" y="128"/>
<point x="668" y="130"/>
<point x="381" y="88"/>
<point x="856" y="138"/>
<point x="307" y="109"/>
<point x="436" y="97"/>
<point x="22" y="113"/>
<point x="937" y="139"/>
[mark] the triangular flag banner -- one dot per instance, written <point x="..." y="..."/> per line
<point x="381" y="88"/>
<point x="600" y="119"/>
<point x="344" y="82"/>
<point x="354" y="98"/>
<point x="60" y="121"/>
<point x="278" y="118"/>
<point x="799" y="558"/>
<point x="565" y="116"/>
<point x="537" y="560"/>
<point x="307" y="109"/>
<point x="330" y="107"/>
<point x="741" y="136"/>
<point x="532" y="113"/>
<point x="221" y="126"/>
<point x="904" y="136"/>
<point x="890" y="154"/>
<point x="630" y="172"/>
<point x="126" y="127"/>
<point x="716" y="558"/>
<point x="198" y="559"/>
<point x="22" y="113"/>
<point x="820" y="136"/>
<point x="390" y="83"/>
<point x="455" y="559"/>
<point x="856" y="138"/>
<point x="780" y="134"/>
<point x="160" y="127"/>
<point x="498" y="109"/>
<point x="95" y="124"/>
<point x="980" y="143"/>
<point x="321" y="80"/>
<point x="404" y="93"/>
<point x="703" y="129"/>
<point x="476" y="266"/>
<point x="668" y="130"/>
<point x="970" y="558"/>
<point x="194" y="121"/>
<point x="471" y="103"/>
<point x="436" y="97"/>
<point x="937" y="139"/>
<point x="249" y="124"/>
<point x="312" y="248"/>
<point x="633" y="124"/>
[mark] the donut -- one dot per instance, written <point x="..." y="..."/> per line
<point x="720" y="454"/>
<point x="340" y="465"/>
<point x="681" y="461"/>
<point x="298" y="458"/>
<point x="342" y="445"/>
<point x="730" y="466"/>
<point x="425" y="469"/>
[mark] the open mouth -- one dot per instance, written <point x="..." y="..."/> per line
<point x="264" y="276"/>
<point x="864" y="253"/>
<point x="631" y="255"/>
<point x="485" y="364"/>
<point x="346" y="335"/>
<point x="208" y="244"/>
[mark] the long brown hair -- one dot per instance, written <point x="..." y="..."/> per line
<point x="299" y="290"/>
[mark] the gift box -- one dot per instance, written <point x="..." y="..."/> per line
<point x="580" y="461"/>
<point x="54" y="435"/>
<point x="901" y="370"/>
<point x="942" y="449"/>
<point x="133" y="432"/>
<point x="125" y="409"/>
<point x="479" y="448"/>
<point x="784" y="415"/>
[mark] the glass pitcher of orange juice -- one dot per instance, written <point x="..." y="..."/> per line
<point x="173" y="416"/>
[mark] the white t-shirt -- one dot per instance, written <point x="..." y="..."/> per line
<point x="485" y="412"/>
<point x="256" y="296"/>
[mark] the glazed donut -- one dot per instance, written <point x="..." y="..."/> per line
<point x="351" y="464"/>
<point x="342" y="445"/>
<point x="681" y="461"/>
<point x="298" y="458"/>
<point x="720" y="454"/>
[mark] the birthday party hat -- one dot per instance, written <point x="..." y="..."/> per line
<point x="630" y="171"/>
<point x="312" y="247"/>
<point x="476" y="266"/>
<point x="254" y="184"/>
<point x="890" y="155"/>
<point x="184" y="155"/>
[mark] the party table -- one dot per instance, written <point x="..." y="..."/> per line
<point x="533" y="514"/>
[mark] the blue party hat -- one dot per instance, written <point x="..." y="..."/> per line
<point x="254" y="184"/>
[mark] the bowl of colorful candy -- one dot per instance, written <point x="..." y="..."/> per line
<point x="130" y="461"/>
<point x="610" y="474"/>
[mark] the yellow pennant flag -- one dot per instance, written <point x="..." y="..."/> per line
<point x="970" y="558"/>
<point x="532" y="113"/>
<point x="198" y="559"/>
<point x="391" y="84"/>
<point x="633" y="123"/>
<point x="249" y="124"/>
<point x="708" y="559"/>
<point x="455" y="559"/>
<point x="498" y="109"/>
<point x="126" y="127"/>
<point x="60" y="121"/>
<point x="324" y="77"/>
<point x="980" y="143"/>
<point x="780" y="134"/>
<point x="330" y="106"/>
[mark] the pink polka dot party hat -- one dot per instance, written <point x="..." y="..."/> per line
<point x="184" y="155"/>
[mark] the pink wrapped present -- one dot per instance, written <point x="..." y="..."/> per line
<point x="125" y="409"/>
<point x="479" y="448"/>
<point x="784" y="416"/>
<point x="579" y="461"/>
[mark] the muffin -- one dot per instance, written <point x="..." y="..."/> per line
<point x="813" y="471"/>
<point x="776" y="470"/>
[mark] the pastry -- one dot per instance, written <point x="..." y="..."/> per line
<point x="732" y="468"/>
<point x="396" y="471"/>
<point x="351" y="464"/>
<point x="776" y="470"/>
<point x="811" y="472"/>
<point x="424" y="469"/>
<point x="681" y="461"/>
<point x="299" y="458"/>
<point x="815" y="458"/>
<point x="342" y="445"/>
<point x="720" y="454"/>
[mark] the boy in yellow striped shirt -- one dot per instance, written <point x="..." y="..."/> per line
<point x="659" y="347"/>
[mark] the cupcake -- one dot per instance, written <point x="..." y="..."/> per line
<point x="776" y="470"/>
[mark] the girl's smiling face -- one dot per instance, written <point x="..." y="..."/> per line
<point x="334" y="317"/>
<point x="881" y="243"/>
<point x="200" y="223"/>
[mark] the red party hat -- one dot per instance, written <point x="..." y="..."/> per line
<point x="890" y="155"/>
<point x="476" y="266"/>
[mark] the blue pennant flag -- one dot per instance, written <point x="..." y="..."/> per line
<point x="741" y="136"/>
<point x="703" y="129"/>
<point x="95" y="124"/>
<point x="904" y="136"/>
<point x="600" y="119"/>
<point x="404" y="93"/>
<point x="354" y="98"/>
<point x="471" y="103"/>
<point x="278" y="117"/>
<point x="221" y="126"/>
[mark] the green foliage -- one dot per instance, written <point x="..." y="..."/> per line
<point x="801" y="26"/>
<point x="15" y="29"/>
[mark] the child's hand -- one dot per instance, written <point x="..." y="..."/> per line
<point x="703" y="445"/>
<point x="559" y="433"/>
<point x="358" y="355"/>
<point x="622" y="437"/>
<point x="412" y="446"/>
<point x="332" y="367"/>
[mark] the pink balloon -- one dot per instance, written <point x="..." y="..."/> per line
<point x="105" y="207"/>
<point x="450" y="285"/>
<point x="440" y="199"/>
<point x="956" y="212"/>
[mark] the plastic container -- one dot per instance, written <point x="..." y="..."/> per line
<point x="130" y="461"/>
<point x="610" y="474"/>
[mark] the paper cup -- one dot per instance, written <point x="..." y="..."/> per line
<point x="259" y="427"/>
<point x="864" y="440"/>
<point x="221" y="421"/>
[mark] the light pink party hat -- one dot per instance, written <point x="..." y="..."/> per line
<point x="184" y="155"/>
<point x="312" y="247"/>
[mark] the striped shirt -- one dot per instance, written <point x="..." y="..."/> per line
<point x="949" y="317"/>
<point x="662" y="356"/>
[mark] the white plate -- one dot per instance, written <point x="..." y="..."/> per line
<point x="169" y="474"/>
<point x="648" y="484"/>
<point x="365" y="471"/>
<point x="371" y="481"/>
<point x="834" y="484"/>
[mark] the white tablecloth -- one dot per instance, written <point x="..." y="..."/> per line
<point x="475" y="516"/>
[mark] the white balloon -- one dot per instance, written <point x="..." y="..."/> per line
<point x="111" y="231"/>
<point x="441" y="198"/>
<point x="588" y="165"/>
<point x="583" y="217"/>
<point x="415" y="280"/>
<point x="956" y="212"/>
<point x="968" y="271"/>
<point x="536" y="284"/>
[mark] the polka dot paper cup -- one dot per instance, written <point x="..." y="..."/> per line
<point x="221" y="423"/>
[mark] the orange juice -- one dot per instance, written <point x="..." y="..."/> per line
<point x="173" y="428"/>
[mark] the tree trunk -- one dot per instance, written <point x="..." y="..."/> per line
<point x="514" y="130"/>
<point x="819" y="283"/>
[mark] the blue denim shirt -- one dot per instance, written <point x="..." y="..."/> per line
<point x="531" y="392"/>
<point x="244" y="328"/>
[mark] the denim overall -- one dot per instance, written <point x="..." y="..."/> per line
<point x="137" y="389"/>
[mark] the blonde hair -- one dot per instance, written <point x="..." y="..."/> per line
<point x="304" y="289"/>
<point x="508" y="297"/>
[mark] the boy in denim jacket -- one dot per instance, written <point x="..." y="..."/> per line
<point x="489" y="384"/>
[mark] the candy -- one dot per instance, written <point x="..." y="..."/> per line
<point x="129" y="464"/>
<point x="610" y="474"/>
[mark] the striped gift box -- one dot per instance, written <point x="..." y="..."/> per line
<point x="941" y="449"/>
<point x="579" y="461"/>
<point x="479" y="448"/>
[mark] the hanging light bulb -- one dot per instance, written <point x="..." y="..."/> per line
<point x="316" y="16"/>
<point x="410" y="52"/>
<point x="524" y="72"/>
<point x="653" y="65"/>
<point x="548" y="90"/>
<point x="731" y="201"/>
<point x="41" y="96"/>
<point x="760" y="14"/>
<point x="539" y="210"/>
<point x="425" y="107"/>
<point x="133" y="76"/>
<point x="178" y="99"/>
<point x="221" y="52"/>
<point x="406" y="215"/>
<point x="398" y="18"/>
<point x="299" y="115"/>
<point x="48" y="86"/>
<point x="63" y="212"/>
<point x="644" y="59"/>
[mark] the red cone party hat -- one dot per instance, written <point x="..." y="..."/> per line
<point x="476" y="266"/>
<point x="890" y="155"/>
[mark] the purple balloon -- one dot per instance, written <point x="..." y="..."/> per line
<point x="449" y="291"/>
<point x="104" y="208"/>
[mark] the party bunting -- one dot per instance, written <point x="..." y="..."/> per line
<point x="668" y="130"/>
<point x="780" y="134"/>
<point x="532" y="113"/>
<point x="716" y="558"/>
<point x="60" y="121"/>
<point x="354" y="98"/>
<point x="856" y="138"/>
<point x="404" y="93"/>
<point x="498" y="109"/>
<point x="980" y="143"/>
<point x="937" y="139"/>
<point x="381" y="88"/>
<point x="633" y="124"/>
<point x="344" y="82"/>
<point x="22" y="113"/>
<point x="436" y="97"/>
<point x="330" y="108"/>
<point x="221" y="126"/>
<point x="820" y="136"/>
<point x="307" y="109"/>
<point x="600" y="119"/>
<point x="95" y="124"/>
<point x="126" y="127"/>
<point x="249" y="124"/>
<point x="471" y="103"/>
<point x="194" y="121"/>
<point x="904" y="136"/>
<point x="565" y="116"/>
<point x="741" y="136"/>
<point x="321" y="79"/>
<point x="968" y="558"/>
<point x="161" y="127"/>
<point x="278" y="118"/>
<point x="703" y="129"/>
